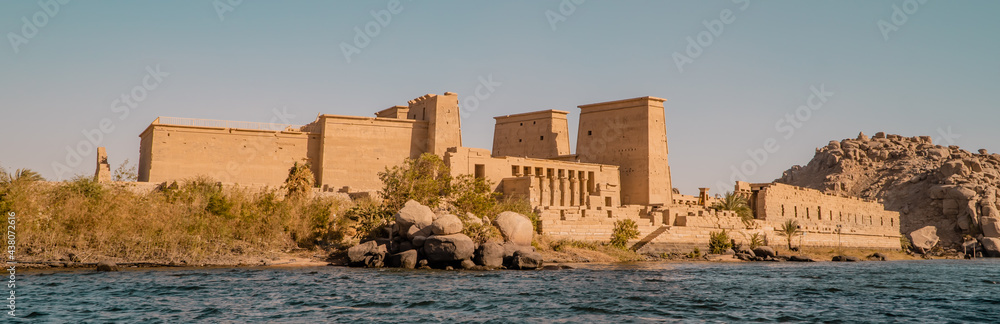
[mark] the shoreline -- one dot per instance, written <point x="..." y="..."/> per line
<point x="294" y="262"/>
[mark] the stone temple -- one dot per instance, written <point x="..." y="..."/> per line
<point x="619" y="170"/>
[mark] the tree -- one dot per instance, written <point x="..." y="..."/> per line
<point x="425" y="180"/>
<point x="624" y="231"/>
<point x="737" y="203"/>
<point x="300" y="181"/>
<point x="20" y="175"/>
<point x="789" y="229"/>
<point x="125" y="172"/>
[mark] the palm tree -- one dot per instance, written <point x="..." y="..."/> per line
<point x="789" y="229"/>
<point x="738" y="204"/>
<point x="26" y="175"/>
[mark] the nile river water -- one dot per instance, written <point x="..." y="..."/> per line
<point x="905" y="291"/>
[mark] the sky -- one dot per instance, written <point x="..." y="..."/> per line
<point x="752" y="87"/>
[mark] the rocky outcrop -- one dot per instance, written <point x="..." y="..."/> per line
<point x="765" y="252"/>
<point x="444" y="248"/>
<point x="436" y="241"/>
<point x="924" y="238"/>
<point x="447" y="225"/>
<point x="515" y="228"/>
<point x="413" y="214"/>
<point x="945" y="187"/>
<point x="369" y="254"/>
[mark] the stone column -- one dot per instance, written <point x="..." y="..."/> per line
<point x="545" y="189"/>
<point x="572" y="192"/>
<point x="562" y="191"/>
<point x="583" y="190"/>
<point x="552" y="191"/>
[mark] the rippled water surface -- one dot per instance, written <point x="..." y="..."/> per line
<point x="917" y="291"/>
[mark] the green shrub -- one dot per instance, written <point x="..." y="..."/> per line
<point x="904" y="243"/>
<point x="719" y="242"/>
<point x="624" y="231"/>
<point x="694" y="254"/>
<point x="369" y="217"/>
<point x="425" y="180"/>
<point x="755" y="240"/>
<point x="85" y="186"/>
<point x="473" y="195"/>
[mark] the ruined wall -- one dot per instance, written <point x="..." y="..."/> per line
<point x="545" y="182"/>
<point x="632" y="135"/>
<point x="863" y="223"/>
<point x="355" y="149"/>
<point x="244" y="156"/>
<point x="541" y="134"/>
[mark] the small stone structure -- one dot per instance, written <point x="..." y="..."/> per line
<point x="103" y="173"/>
<point x="620" y="169"/>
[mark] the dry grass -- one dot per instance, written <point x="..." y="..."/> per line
<point x="562" y="250"/>
<point x="197" y="222"/>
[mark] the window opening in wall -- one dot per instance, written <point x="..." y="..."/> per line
<point x="807" y="213"/>
<point x="796" y="211"/>
<point x="590" y="133"/>
<point x="819" y="213"/>
<point x="538" y="171"/>
<point x="533" y="123"/>
<point x="480" y="171"/>
<point x="542" y="138"/>
<point x="518" y="140"/>
<point x="513" y="170"/>
<point x="882" y="220"/>
<point x="892" y="222"/>
<point x="782" y="210"/>
<point x="522" y="124"/>
<point x="607" y="202"/>
<point x="527" y="171"/>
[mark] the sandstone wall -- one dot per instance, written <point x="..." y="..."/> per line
<point x="632" y="135"/>
<point x="541" y="134"/>
<point x="231" y="155"/>
<point x="818" y="212"/>
<point x="355" y="149"/>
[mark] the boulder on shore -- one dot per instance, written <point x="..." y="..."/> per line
<point x="490" y="255"/>
<point x="765" y="252"/>
<point x="515" y="228"/>
<point x="107" y="266"/>
<point x="406" y="259"/>
<point x="443" y="248"/>
<point x="368" y="254"/>
<point x="446" y="225"/>
<point x="527" y="261"/>
<point x="414" y="214"/>
<point x="924" y="238"/>
<point x="991" y="247"/>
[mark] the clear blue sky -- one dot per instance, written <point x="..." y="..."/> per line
<point x="938" y="70"/>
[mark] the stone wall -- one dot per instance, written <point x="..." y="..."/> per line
<point x="541" y="134"/>
<point x="355" y="149"/>
<point x="231" y="155"/>
<point x="632" y="135"/>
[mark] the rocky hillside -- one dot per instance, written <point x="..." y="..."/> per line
<point x="939" y="191"/>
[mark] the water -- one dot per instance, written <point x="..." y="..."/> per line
<point x="910" y="291"/>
